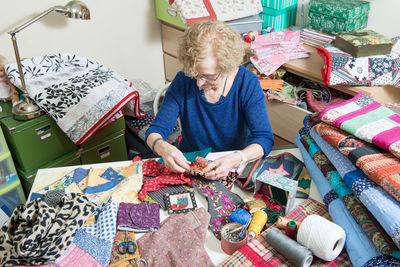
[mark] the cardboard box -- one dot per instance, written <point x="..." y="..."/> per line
<point x="35" y="142"/>
<point x="27" y="177"/>
<point x="279" y="17"/>
<point x="338" y="16"/>
<point x="280" y="188"/>
<point x="363" y="43"/>
<point x="112" y="148"/>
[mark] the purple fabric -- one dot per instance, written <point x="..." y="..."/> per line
<point x="143" y="217"/>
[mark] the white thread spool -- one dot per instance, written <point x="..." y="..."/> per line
<point x="324" y="238"/>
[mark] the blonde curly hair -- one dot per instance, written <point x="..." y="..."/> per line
<point x="227" y="45"/>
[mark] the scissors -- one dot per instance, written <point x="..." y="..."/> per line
<point x="127" y="247"/>
<point x="137" y="263"/>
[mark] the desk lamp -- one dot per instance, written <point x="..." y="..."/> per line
<point x="27" y="110"/>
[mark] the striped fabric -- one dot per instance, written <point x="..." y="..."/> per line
<point x="382" y="206"/>
<point x="362" y="216"/>
<point x="368" y="120"/>
<point x="259" y="253"/>
<point x="380" y="166"/>
<point x="280" y="4"/>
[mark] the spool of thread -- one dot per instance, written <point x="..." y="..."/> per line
<point x="282" y="222"/>
<point x="230" y="241"/>
<point x="291" y="229"/>
<point x="324" y="238"/>
<point x="297" y="254"/>
<point x="257" y="223"/>
<point x="241" y="216"/>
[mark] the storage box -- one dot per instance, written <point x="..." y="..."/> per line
<point x="363" y="43"/>
<point x="279" y="16"/>
<point x="27" y="177"/>
<point x="280" y="188"/>
<point x="169" y="14"/>
<point x="115" y="127"/>
<point x="11" y="195"/>
<point x="109" y="149"/>
<point x="35" y="142"/>
<point x="252" y="23"/>
<point x="8" y="174"/>
<point x="5" y="109"/>
<point x="278" y="4"/>
<point x="338" y="16"/>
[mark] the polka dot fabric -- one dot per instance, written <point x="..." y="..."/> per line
<point x="179" y="241"/>
<point x="162" y="178"/>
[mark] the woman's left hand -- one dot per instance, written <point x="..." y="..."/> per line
<point x="220" y="167"/>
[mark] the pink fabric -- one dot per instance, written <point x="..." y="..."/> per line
<point x="78" y="258"/>
<point x="359" y="95"/>
<point x="386" y="138"/>
<point x="163" y="178"/>
<point x="338" y="122"/>
<point x="179" y="241"/>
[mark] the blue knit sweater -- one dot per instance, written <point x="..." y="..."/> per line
<point x="238" y="120"/>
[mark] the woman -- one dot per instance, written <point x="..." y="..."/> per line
<point x="220" y="103"/>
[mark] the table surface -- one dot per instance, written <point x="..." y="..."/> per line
<point x="212" y="244"/>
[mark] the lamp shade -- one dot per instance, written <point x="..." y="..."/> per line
<point x="76" y="10"/>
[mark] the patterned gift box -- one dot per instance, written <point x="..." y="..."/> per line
<point x="279" y="14"/>
<point x="363" y="43"/>
<point x="338" y="16"/>
<point x="280" y="188"/>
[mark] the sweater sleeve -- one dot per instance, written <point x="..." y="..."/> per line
<point x="168" y="113"/>
<point x="256" y="116"/>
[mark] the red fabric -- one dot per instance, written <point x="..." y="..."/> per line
<point x="326" y="70"/>
<point x="318" y="105"/>
<point x="162" y="178"/>
<point x="210" y="9"/>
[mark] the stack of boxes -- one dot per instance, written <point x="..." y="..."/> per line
<point x="338" y="16"/>
<point x="279" y="14"/>
<point x="39" y="143"/>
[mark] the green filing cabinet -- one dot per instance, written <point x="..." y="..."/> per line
<point x="35" y="142"/>
<point x="111" y="148"/>
<point x="5" y="109"/>
<point x="115" y="127"/>
<point x="27" y="177"/>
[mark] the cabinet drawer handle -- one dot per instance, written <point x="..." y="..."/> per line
<point x="44" y="132"/>
<point x="104" y="152"/>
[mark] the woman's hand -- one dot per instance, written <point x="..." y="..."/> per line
<point x="220" y="167"/>
<point x="173" y="158"/>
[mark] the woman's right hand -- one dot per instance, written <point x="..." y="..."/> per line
<point x="173" y="158"/>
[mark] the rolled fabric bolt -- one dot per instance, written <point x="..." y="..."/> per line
<point x="297" y="254"/>
<point x="257" y="223"/>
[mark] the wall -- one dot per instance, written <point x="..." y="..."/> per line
<point x="123" y="35"/>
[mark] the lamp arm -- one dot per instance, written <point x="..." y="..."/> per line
<point x="34" y="19"/>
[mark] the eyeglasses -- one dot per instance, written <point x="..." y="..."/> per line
<point x="209" y="79"/>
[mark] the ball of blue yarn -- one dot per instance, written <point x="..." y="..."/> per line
<point x="241" y="216"/>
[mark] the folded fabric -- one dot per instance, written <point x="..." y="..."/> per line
<point x="38" y="233"/>
<point x="383" y="207"/>
<point x="179" y="241"/>
<point x="362" y="216"/>
<point x="142" y="217"/>
<point x="259" y="253"/>
<point x="202" y="10"/>
<point x="340" y="68"/>
<point x="80" y="94"/>
<point x="283" y="164"/>
<point x="287" y="95"/>
<point x="317" y="105"/>
<point x="367" y="119"/>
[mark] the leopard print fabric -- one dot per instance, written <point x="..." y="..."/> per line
<point x="38" y="233"/>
